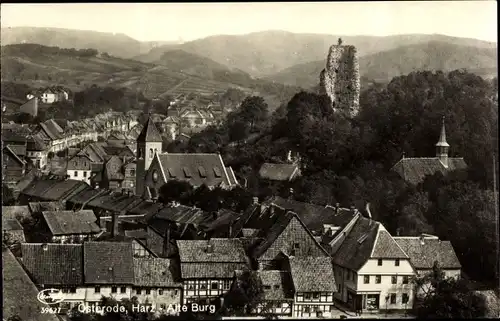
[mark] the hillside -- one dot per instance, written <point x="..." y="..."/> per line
<point x="268" y="52"/>
<point x="21" y="63"/>
<point x="383" y="66"/>
<point x="119" y="45"/>
<point x="38" y="66"/>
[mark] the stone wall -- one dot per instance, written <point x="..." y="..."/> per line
<point x="340" y="79"/>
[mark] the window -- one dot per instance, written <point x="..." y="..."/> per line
<point x="97" y="289"/>
<point x="296" y="245"/>
<point x="406" y="298"/>
<point x="307" y="309"/>
<point x="113" y="289"/>
<point x="84" y="174"/>
<point x="267" y="287"/>
<point x="396" y="263"/>
<point x="227" y="284"/>
<point x="187" y="173"/>
<point x="379" y="263"/>
<point x="217" y="172"/>
<point x="132" y="172"/>
<point x="214" y="286"/>
<point x="123" y="289"/>
<point x="72" y="290"/>
<point x="160" y="292"/>
<point x="75" y="174"/>
<point x="307" y="296"/>
<point x="138" y="291"/>
<point x="315" y="295"/>
<point x="367" y="279"/>
<point x="202" y="172"/>
<point x="148" y="291"/>
<point x="405" y="279"/>
<point x="378" y="279"/>
<point x="203" y="285"/>
<point x="151" y="153"/>
<point x="276" y="286"/>
<point x="394" y="279"/>
<point x="393" y="298"/>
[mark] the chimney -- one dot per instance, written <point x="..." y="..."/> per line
<point x="368" y="210"/>
<point x="45" y="246"/>
<point x="210" y="248"/>
<point x="289" y="156"/>
<point x="398" y="231"/>
<point x="166" y="241"/>
<point x="422" y="239"/>
<point x="114" y="225"/>
<point x="256" y="200"/>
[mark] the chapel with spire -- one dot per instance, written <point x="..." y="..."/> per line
<point x="414" y="170"/>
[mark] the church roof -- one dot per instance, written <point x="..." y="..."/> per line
<point x="442" y="138"/>
<point x="149" y="133"/>
<point x="414" y="170"/>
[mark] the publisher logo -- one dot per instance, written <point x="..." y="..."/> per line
<point x="50" y="296"/>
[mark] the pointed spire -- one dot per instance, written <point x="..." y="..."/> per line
<point x="149" y="132"/>
<point x="442" y="138"/>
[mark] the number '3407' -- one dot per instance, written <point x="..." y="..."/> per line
<point x="51" y="310"/>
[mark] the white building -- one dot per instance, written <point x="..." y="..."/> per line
<point x="80" y="168"/>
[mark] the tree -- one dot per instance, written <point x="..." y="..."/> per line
<point x="446" y="297"/>
<point x="245" y="294"/>
<point x="8" y="197"/>
<point x="175" y="190"/>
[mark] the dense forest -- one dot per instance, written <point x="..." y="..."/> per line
<point x="349" y="160"/>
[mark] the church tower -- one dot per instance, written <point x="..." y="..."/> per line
<point x="149" y="143"/>
<point x="442" y="147"/>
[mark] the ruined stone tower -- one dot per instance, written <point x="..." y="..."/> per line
<point x="340" y="79"/>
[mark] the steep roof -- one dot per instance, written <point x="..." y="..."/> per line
<point x="278" y="172"/>
<point x="8" y="150"/>
<point x="71" y="223"/>
<point x="367" y="239"/>
<point x="38" y="207"/>
<point x="11" y="224"/>
<point x="54" y="264"/>
<point x="80" y="163"/>
<point x="278" y="285"/>
<point x="19" y="292"/>
<point x="312" y="215"/>
<point x="54" y="189"/>
<point x="157" y="272"/>
<point x="423" y="253"/>
<point x="149" y="132"/>
<point x="18" y="150"/>
<point x="197" y="169"/>
<point x="414" y="170"/>
<point x="312" y="274"/>
<point x="108" y="263"/>
<point x="226" y="256"/>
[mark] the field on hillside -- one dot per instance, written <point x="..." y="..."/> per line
<point x="79" y="72"/>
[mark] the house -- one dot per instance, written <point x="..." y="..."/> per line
<point x="52" y="134"/>
<point x="414" y="170"/>
<point x="314" y="284"/>
<point x="116" y="173"/>
<point x="72" y="227"/>
<point x="194" y="117"/>
<point x="13" y="167"/>
<point x="57" y="266"/>
<point x="371" y="270"/>
<point x="197" y="169"/>
<point x="19" y="292"/>
<point x="425" y="250"/>
<point x="109" y="270"/>
<point x="208" y="266"/>
<point x="51" y="189"/>
<point x="30" y="107"/>
<point x="278" y="293"/>
<point x="280" y="235"/>
<point x="80" y="168"/>
<point x="157" y="284"/>
<point x="39" y="207"/>
<point x="279" y="172"/>
<point x="12" y="230"/>
<point x="172" y="126"/>
<point x="50" y="95"/>
<point x="37" y="152"/>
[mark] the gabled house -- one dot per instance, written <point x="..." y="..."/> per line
<point x="425" y="250"/>
<point x="80" y="168"/>
<point x="45" y="189"/>
<point x="13" y="167"/>
<point x="208" y="266"/>
<point x="197" y="169"/>
<point x="116" y="173"/>
<point x="37" y="152"/>
<point x="284" y="236"/>
<point x="372" y="272"/>
<point x="50" y="95"/>
<point x="72" y="227"/>
<point x="314" y="285"/>
<point x="414" y="170"/>
<point x="19" y="292"/>
<point x="278" y="293"/>
<point x="157" y="284"/>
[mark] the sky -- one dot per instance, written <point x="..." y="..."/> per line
<point x="190" y="21"/>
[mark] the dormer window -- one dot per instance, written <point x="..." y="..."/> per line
<point x="187" y="173"/>
<point x="217" y="172"/>
<point x="151" y="154"/>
